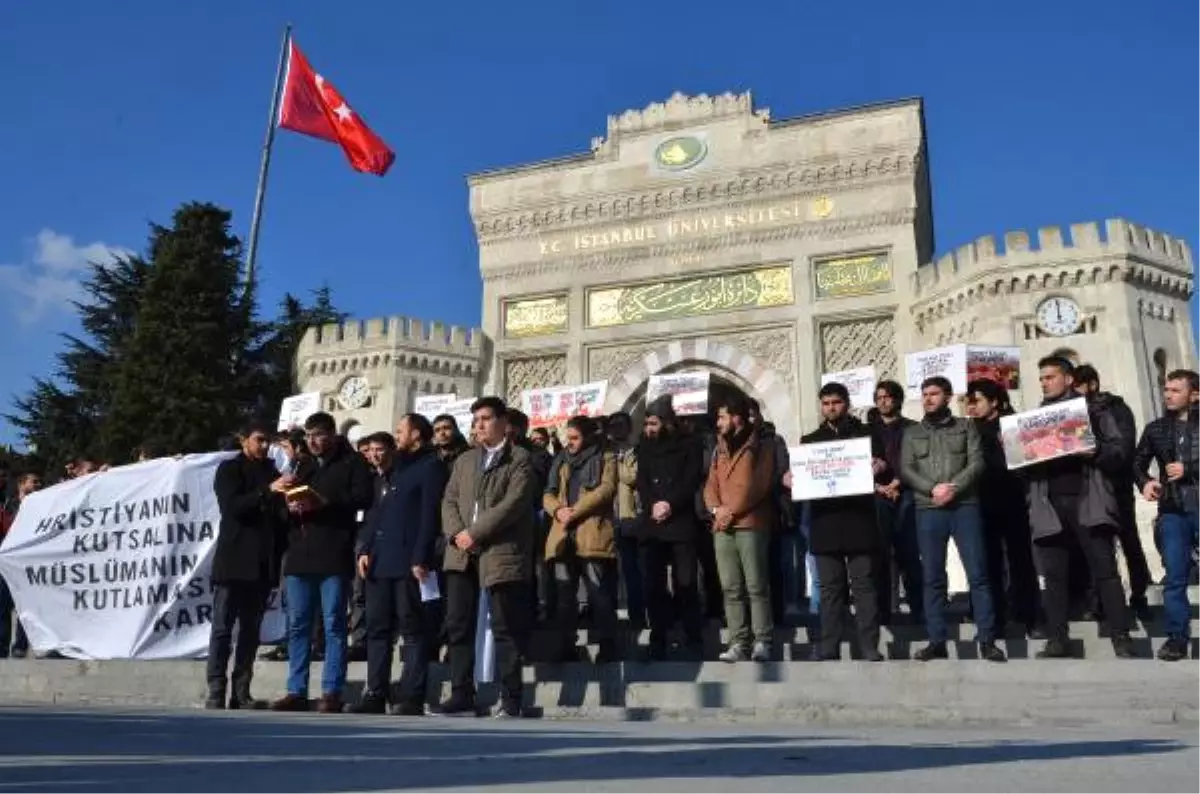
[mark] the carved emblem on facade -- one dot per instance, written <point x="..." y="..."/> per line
<point x="763" y="287"/>
<point x="537" y="317"/>
<point x="857" y="343"/>
<point x="533" y="372"/>
<point x="854" y="275"/>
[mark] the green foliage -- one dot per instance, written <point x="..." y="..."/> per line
<point x="171" y="352"/>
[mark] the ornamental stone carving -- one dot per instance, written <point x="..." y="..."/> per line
<point x="606" y="363"/>
<point x="857" y="343"/>
<point x="533" y="372"/>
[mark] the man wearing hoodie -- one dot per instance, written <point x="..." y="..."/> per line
<point x="1072" y="501"/>
<point x="669" y="472"/>
<point x="942" y="462"/>
<point x="1087" y="384"/>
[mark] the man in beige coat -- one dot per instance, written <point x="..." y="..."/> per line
<point x="489" y="527"/>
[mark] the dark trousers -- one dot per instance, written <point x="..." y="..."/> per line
<point x="631" y="572"/>
<point x="833" y="571"/>
<point x="599" y="578"/>
<point x="711" y="594"/>
<point x="901" y="559"/>
<point x="356" y="629"/>
<point x="241" y="603"/>
<point x="1054" y="555"/>
<point x="510" y="627"/>
<point x="1011" y="573"/>
<point x="777" y="576"/>
<point x="657" y="556"/>
<point x="394" y="606"/>
<point x="935" y="527"/>
<point x="547" y="592"/>
<point x="20" y="643"/>
<point x="1131" y="542"/>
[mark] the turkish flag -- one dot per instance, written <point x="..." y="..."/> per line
<point x="312" y="106"/>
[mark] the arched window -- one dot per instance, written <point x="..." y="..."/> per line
<point x="1160" y="368"/>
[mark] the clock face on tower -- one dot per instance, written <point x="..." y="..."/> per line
<point x="354" y="392"/>
<point x="1059" y="316"/>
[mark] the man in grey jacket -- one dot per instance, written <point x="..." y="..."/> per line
<point x="941" y="461"/>
<point x="1073" y="500"/>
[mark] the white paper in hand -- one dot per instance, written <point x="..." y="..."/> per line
<point x="429" y="588"/>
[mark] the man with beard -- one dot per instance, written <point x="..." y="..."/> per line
<point x="245" y="566"/>
<point x="582" y="543"/>
<point x="395" y="557"/>
<point x="844" y="538"/>
<point x="332" y="487"/>
<point x="448" y="441"/>
<point x="740" y="493"/>
<point x="489" y="528"/>
<point x="1005" y="520"/>
<point x="1072" y="500"/>
<point x="1173" y="443"/>
<point x="901" y="559"/>
<point x="669" y="472"/>
<point x="941" y="462"/>
<point x="1087" y="384"/>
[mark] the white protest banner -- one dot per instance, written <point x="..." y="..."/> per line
<point x="297" y="408"/>
<point x="948" y="362"/>
<point x="115" y="565"/>
<point x="460" y="409"/>
<point x="552" y="407"/>
<point x="831" y="469"/>
<point x="688" y="390"/>
<point x="995" y="363"/>
<point x="433" y="405"/>
<point x="860" y="382"/>
<point x="1045" y="433"/>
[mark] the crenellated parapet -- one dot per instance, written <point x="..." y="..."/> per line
<point x="1085" y="254"/>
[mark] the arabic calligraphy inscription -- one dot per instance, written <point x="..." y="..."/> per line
<point x="855" y="275"/>
<point x="768" y="286"/>
<point x="536" y="317"/>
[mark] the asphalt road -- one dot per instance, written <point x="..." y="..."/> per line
<point x="43" y="749"/>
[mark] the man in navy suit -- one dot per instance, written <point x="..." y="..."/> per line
<point x="395" y="556"/>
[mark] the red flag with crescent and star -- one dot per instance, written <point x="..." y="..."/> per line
<point x="312" y="106"/>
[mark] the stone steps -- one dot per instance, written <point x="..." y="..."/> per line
<point x="845" y="693"/>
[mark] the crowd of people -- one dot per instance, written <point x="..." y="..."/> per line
<point x="406" y="537"/>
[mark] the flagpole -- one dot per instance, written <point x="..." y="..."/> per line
<point x="265" y="165"/>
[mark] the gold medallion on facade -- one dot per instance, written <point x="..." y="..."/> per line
<point x="680" y="152"/>
<point x="822" y="207"/>
<point x="689" y="297"/>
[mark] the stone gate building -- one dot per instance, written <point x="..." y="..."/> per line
<point x="701" y="233"/>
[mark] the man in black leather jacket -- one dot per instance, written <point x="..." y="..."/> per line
<point x="1173" y="443"/>
<point x="1087" y="384"/>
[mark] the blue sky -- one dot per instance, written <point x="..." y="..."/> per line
<point x="1037" y="113"/>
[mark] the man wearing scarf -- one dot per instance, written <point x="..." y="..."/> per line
<point x="582" y="543"/>
<point x="740" y="493"/>
<point x="845" y="538"/>
<point x="670" y="471"/>
<point x="942" y="462"/>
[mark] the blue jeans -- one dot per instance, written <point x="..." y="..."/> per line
<point x="303" y="595"/>
<point x="935" y="528"/>
<point x="1179" y="533"/>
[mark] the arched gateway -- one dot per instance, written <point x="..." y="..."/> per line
<point x="726" y="362"/>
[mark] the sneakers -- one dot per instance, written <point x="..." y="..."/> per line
<point x="934" y="650"/>
<point x="760" y="653"/>
<point x="991" y="652"/>
<point x="732" y="654"/>
<point x="1173" y="650"/>
<point x="1054" y="649"/>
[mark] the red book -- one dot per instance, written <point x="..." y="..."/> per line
<point x="312" y="106"/>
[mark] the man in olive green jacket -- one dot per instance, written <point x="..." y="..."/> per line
<point x="941" y="461"/>
<point x="489" y="530"/>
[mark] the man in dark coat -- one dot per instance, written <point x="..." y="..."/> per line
<point x="670" y="471"/>
<point x="246" y="564"/>
<point x="395" y="557"/>
<point x="1072" y="501"/>
<point x="320" y="560"/>
<point x="845" y="539"/>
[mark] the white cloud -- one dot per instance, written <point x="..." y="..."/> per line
<point x="51" y="277"/>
